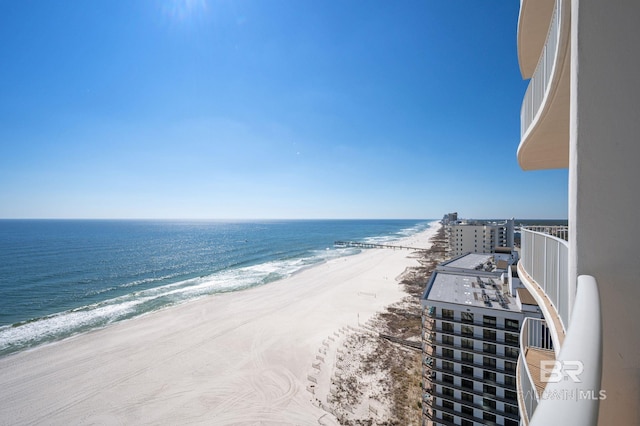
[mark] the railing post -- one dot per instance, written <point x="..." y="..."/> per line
<point x="558" y="268"/>
<point x="544" y="267"/>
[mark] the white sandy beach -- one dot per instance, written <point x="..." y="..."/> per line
<point x="235" y="358"/>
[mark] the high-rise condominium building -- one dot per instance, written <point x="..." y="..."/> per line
<point x="471" y="322"/>
<point x="581" y="111"/>
<point x="478" y="236"/>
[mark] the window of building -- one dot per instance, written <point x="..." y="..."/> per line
<point x="467" y="384"/>
<point x="488" y="403"/>
<point x="448" y="417"/>
<point x="447" y="404"/>
<point x="467" y="371"/>
<point x="466" y="410"/>
<point x="511" y="338"/>
<point x="447" y="353"/>
<point x="489" y="362"/>
<point x="510" y="409"/>
<point x="467" y="317"/>
<point x="465" y="422"/>
<point x="488" y="321"/>
<point x="489" y="375"/>
<point x="447" y="313"/>
<point x="489" y="389"/>
<point x="466" y="343"/>
<point x="447" y="392"/>
<point x="467" y="397"/>
<point x="510" y="395"/>
<point x="446" y="365"/>
<point x="509" y="380"/>
<point x="511" y="324"/>
<point x="510" y="367"/>
<point x="509" y="422"/>
<point x="447" y="340"/>
<point x="511" y="352"/>
<point x="447" y="378"/>
<point x="447" y="326"/>
<point x="466" y="356"/>
<point x="489" y="335"/>
<point x="489" y="348"/>
<point x="466" y="330"/>
<point x="489" y="417"/>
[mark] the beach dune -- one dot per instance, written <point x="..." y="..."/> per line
<point x="234" y="358"/>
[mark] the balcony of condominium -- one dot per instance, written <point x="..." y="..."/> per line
<point x="560" y="362"/>
<point x="544" y="57"/>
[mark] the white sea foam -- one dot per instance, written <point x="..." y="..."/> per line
<point x="149" y="280"/>
<point x="403" y="233"/>
<point x="97" y="315"/>
<point x="63" y="324"/>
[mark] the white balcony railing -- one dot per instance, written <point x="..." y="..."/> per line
<point x="545" y="258"/>
<point x="572" y="394"/>
<point x="542" y="75"/>
<point x="561" y="232"/>
<point x="534" y="334"/>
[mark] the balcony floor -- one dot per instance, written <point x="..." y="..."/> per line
<point x="534" y="356"/>
<point x="555" y="318"/>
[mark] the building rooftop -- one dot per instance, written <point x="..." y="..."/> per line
<point x="481" y="222"/>
<point x="469" y="260"/>
<point x="483" y="262"/>
<point x="466" y="288"/>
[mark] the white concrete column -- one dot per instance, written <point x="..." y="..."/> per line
<point x="604" y="187"/>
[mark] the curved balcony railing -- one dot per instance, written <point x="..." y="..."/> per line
<point x="533" y="336"/>
<point x="542" y="75"/>
<point x="571" y="393"/>
<point x="561" y="232"/>
<point x="545" y="258"/>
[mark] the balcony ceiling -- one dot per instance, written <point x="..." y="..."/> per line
<point x="533" y="26"/>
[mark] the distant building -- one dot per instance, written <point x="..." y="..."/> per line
<point x="450" y="218"/>
<point x="478" y="236"/>
<point x="471" y="327"/>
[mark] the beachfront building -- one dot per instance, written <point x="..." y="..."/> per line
<point x="581" y="111"/>
<point x="471" y="323"/>
<point x="450" y="218"/>
<point x="466" y="236"/>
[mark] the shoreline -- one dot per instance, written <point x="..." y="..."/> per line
<point x="104" y="302"/>
<point x="238" y="357"/>
<point x="376" y="374"/>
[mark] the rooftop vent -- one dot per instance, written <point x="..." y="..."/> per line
<point x="487" y="301"/>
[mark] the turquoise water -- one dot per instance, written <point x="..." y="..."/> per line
<point x="63" y="277"/>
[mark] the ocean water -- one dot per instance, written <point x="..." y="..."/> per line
<point x="63" y="277"/>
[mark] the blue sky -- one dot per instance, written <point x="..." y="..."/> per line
<point x="264" y="109"/>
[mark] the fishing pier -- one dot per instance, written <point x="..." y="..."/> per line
<point x="343" y="244"/>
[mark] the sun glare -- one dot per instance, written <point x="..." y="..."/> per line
<point x="182" y="10"/>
